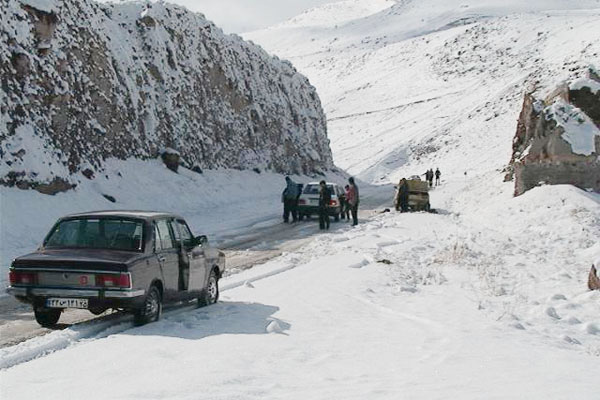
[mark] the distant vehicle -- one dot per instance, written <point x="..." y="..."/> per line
<point x="130" y="260"/>
<point x="418" y="194"/>
<point x="308" y="203"/>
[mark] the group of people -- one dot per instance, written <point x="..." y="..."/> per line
<point x="429" y="174"/>
<point x="348" y="202"/>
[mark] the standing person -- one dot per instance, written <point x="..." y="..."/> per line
<point x="347" y="206"/>
<point x="402" y="196"/>
<point x="430" y="177"/>
<point x="353" y="199"/>
<point x="437" y="176"/>
<point x="324" y="201"/>
<point x="427" y="176"/>
<point x="342" y="198"/>
<point x="289" y="197"/>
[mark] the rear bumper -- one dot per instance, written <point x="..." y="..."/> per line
<point x="97" y="298"/>
<point x="307" y="210"/>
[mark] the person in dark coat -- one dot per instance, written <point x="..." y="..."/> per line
<point x="289" y="197"/>
<point x="353" y="199"/>
<point x="324" y="201"/>
<point x="437" y="176"/>
<point x="429" y="176"/>
<point x="402" y="196"/>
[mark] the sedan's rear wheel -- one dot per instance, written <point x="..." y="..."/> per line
<point x="47" y="317"/>
<point x="211" y="293"/>
<point x="151" y="309"/>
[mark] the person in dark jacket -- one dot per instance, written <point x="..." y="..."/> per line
<point x="353" y="199"/>
<point x="429" y="177"/>
<point x="437" y="176"/>
<point x="324" y="201"/>
<point x="402" y="196"/>
<point x="289" y="197"/>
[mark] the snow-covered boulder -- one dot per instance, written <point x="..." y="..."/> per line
<point x="558" y="138"/>
<point x="83" y="81"/>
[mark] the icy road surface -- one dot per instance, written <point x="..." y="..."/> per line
<point x="418" y="306"/>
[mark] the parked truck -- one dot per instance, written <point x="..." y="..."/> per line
<point x="418" y="194"/>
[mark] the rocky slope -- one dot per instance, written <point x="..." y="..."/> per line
<point x="82" y="82"/>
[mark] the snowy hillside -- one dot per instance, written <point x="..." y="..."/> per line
<point x="411" y="85"/>
<point x="83" y="82"/>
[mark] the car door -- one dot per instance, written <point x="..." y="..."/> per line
<point x="168" y="257"/>
<point x="196" y="256"/>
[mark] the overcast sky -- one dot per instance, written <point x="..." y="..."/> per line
<point x="237" y="16"/>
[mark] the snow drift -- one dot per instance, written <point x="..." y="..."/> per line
<point x="83" y="82"/>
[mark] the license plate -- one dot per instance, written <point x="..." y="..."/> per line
<point x="314" y="201"/>
<point x="66" y="303"/>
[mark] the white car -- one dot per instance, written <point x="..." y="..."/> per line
<point x="308" y="203"/>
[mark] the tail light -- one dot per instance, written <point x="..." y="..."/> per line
<point x="333" y="203"/>
<point x="113" y="280"/>
<point x="22" y="278"/>
<point x="301" y="201"/>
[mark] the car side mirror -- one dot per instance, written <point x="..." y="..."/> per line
<point x="201" y="240"/>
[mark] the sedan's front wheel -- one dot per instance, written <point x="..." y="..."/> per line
<point x="47" y="317"/>
<point x="151" y="309"/>
<point x="211" y="293"/>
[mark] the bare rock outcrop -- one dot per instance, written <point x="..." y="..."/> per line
<point x="82" y="82"/>
<point x="558" y="138"/>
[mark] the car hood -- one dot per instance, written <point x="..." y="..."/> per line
<point x="77" y="258"/>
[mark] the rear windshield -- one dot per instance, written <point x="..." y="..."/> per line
<point x="102" y="233"/>
<point x="314" y="189"/>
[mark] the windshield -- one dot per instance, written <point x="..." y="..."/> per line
<point x="114" y="233"/>
<point x="314" y="189"/>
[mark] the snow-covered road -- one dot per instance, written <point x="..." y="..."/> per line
<point x="252" y="241"/>
<point x="404" y="306"/>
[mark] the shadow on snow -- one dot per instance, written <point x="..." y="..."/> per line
<point x="223" y="318"/>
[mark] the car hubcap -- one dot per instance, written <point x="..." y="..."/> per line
<point x="152" y="305"/>
<point x="212" y="289"/>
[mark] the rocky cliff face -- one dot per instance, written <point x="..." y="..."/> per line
<point x="558" y="138"/>
<point x="82" y="82"/>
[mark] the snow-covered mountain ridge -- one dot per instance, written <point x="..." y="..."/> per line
<point x="419" y="84"/>
<point x="83" y="82"/>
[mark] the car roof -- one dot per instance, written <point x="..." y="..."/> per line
<point x="317" y="183"/>
<point x="138" y="214"/>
